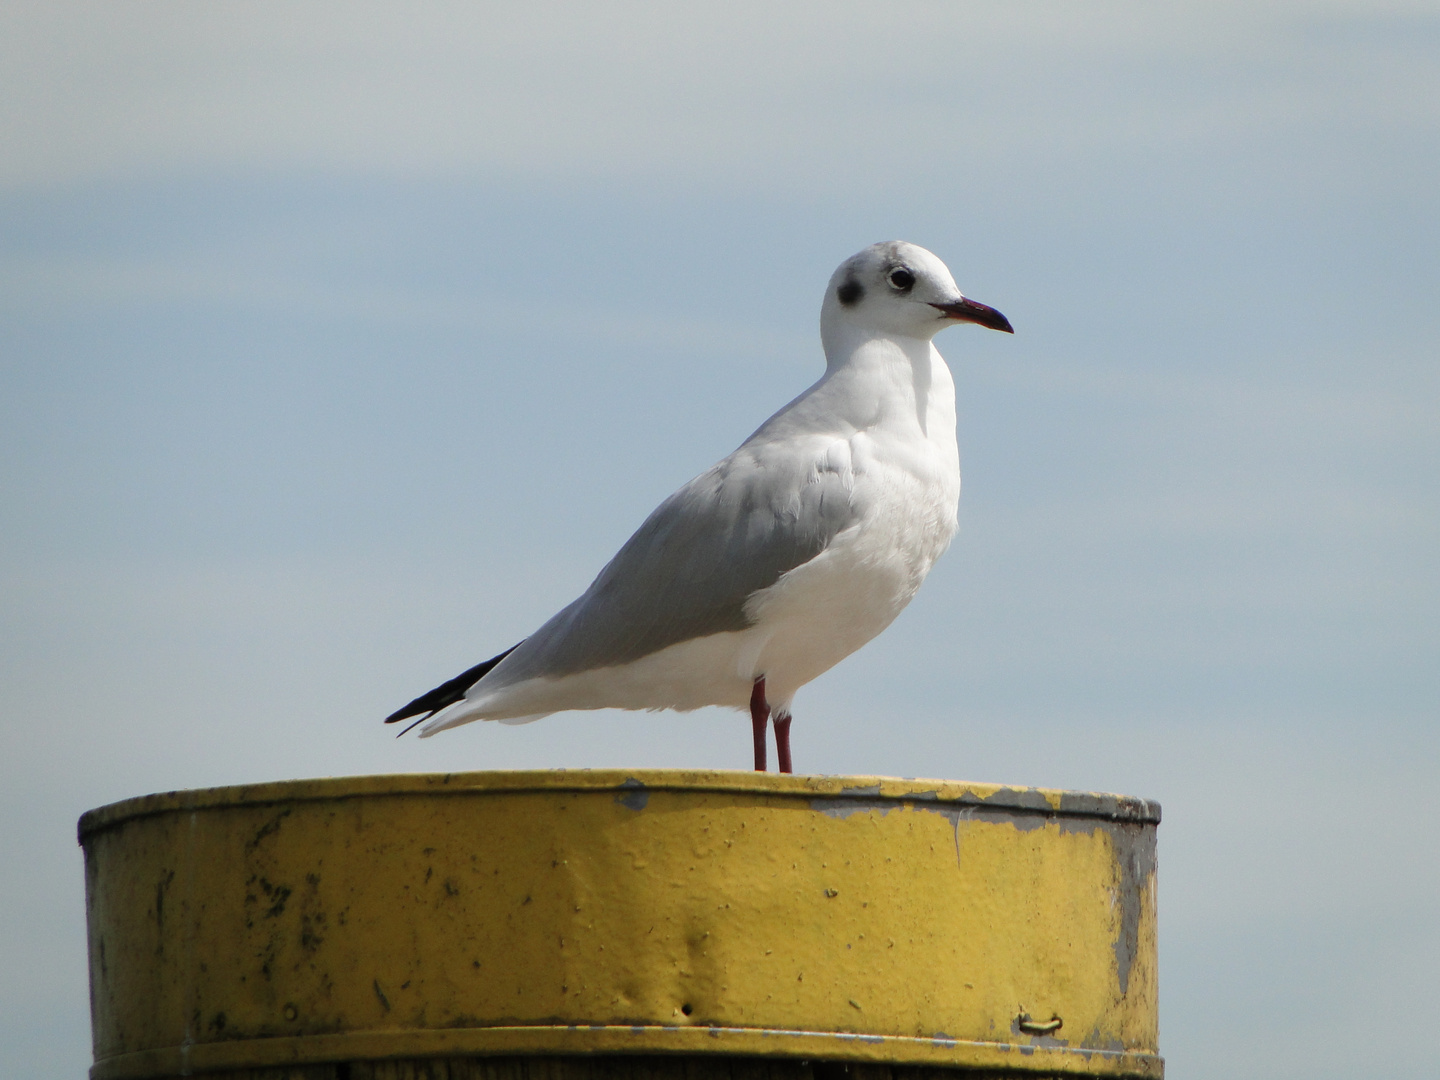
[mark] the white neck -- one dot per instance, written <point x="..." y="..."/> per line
<point x="888" y="382"/>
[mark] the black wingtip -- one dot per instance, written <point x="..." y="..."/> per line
<point x="447" y="693"/>
<point x="412" y="726"/>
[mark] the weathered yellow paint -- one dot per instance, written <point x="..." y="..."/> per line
<point x="861" y="919"/>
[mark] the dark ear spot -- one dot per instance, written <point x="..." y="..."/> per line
<point x="850" y="293"/>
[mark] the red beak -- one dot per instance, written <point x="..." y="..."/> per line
<point x="964" y="310"/>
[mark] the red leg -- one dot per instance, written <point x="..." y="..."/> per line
<point x="759" y="716"/>
<point x="782" y="740"/>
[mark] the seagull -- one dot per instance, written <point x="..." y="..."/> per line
<point x="775" y="564"/>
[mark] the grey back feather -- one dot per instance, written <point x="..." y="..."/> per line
<point x="689" y="569"/>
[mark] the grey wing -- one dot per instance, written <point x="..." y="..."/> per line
<point x="688" y="570"/>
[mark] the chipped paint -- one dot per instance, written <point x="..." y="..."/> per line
<point x="1135" y="860"/>
<point x="633" y="795"/>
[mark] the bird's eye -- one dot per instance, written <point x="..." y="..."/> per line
<point x="901" y="279"/>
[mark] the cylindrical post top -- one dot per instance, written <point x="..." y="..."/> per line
<point x="484" y="915"/>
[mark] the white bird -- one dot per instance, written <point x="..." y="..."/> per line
<point x="778" y="562"/>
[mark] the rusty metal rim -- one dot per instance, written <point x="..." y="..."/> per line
<point x="541" y="1040"/>
<point x="1046" y="801"/>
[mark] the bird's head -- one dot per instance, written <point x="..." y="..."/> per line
<point x="900" y="289"/>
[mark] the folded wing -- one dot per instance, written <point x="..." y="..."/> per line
<point x="689" y="569"/>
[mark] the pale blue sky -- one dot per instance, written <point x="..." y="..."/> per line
<point x="342" y="344"/>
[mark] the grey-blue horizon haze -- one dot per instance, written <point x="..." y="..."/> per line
<point x="340" y="349"/>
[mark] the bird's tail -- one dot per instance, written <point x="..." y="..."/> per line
<point x="446" y="694"/>
<point x="460" y="714"/>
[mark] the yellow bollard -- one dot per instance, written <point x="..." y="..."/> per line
<point x="519" y="924"/>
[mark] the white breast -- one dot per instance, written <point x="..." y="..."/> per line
<point x="907" y="484"/>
